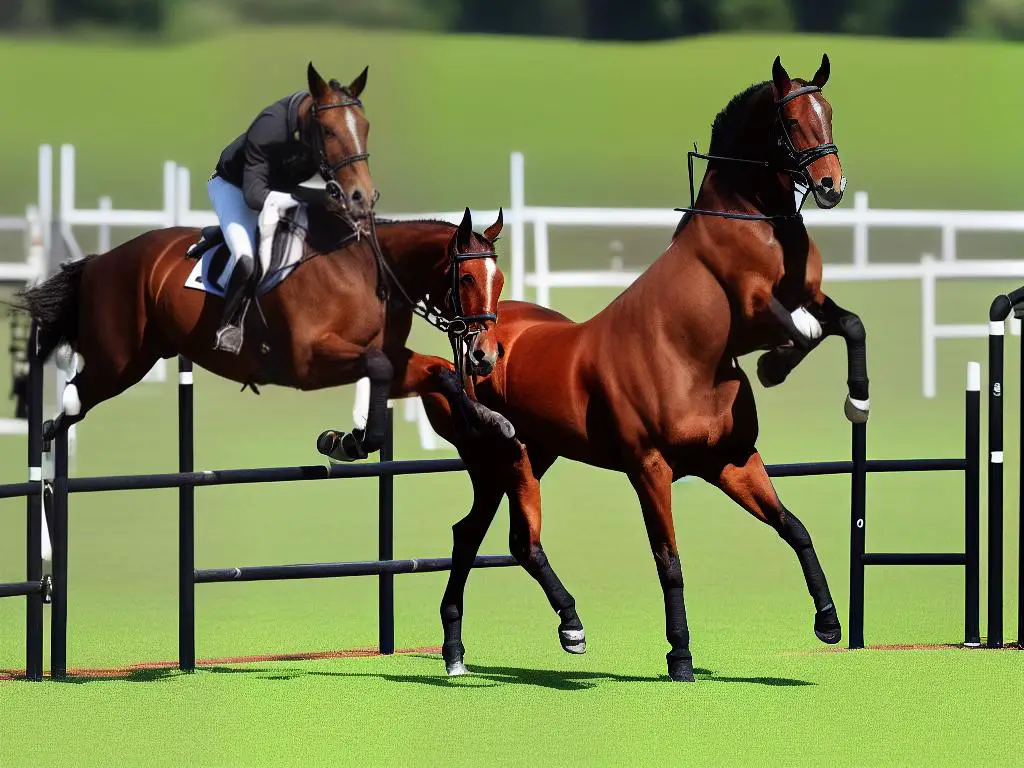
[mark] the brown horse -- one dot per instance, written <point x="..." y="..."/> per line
<point x="340" y="316"/>
<point x="650" y="386"/>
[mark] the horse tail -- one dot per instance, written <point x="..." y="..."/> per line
<point x="54" y="304"/>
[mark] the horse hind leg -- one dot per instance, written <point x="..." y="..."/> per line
<point x="93" y="377"/>
<point x="747" y="483"/>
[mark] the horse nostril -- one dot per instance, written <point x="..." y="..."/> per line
<point x="478" y="354"/>
<point x="357" y="195"/>
<point x="827" y="182"/>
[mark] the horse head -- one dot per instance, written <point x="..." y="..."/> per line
<point x="805" y="132"/>
<point x="340" y="133"/>
<point x="476" y="283"/>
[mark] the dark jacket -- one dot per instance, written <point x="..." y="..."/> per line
<point x="270" y="156"/>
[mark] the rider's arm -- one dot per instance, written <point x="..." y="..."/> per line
<point x="267" y="131"/>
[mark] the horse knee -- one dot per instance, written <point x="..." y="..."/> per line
<point x="670" y="571"/>
<point x="852" y="329"/>
<point x="793" y="531"/>
<point x="378" y="367"/>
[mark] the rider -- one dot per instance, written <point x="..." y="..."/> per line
<point x="260" y="171"/>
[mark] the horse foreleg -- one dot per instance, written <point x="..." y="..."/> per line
<point x="359" y="443"/>
<point x="775" y="365"/>
<point x="426" y="374"/>
<point x="653" y="485"/>
<point x="467" y="535"/>
<point x="524" y="543"/>
<point x="747" y="483"/>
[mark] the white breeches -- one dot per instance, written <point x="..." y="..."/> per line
<point x="237" y="220"/>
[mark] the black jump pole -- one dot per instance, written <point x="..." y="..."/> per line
<point x="59" y="606"/>
<point x="34" y="511"/>
<point x="997" y="315"/>
<point x="386" y="541"/>
<point x="186" y="521"/>
<point x="858" y="509"/>
<point x="972" y="501"/>
<point x="1020" y="509"/>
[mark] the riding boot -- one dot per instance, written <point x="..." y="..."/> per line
<point x="230" y="335"/>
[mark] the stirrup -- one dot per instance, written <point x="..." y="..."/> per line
<point x="230" y="339"/>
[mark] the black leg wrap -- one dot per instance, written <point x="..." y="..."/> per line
<point x="680" y="661"/>
<point x="776" y="364"/>
<point x="826" y="621"/>
<point x="380" y="372"/>
<point x="852" y="329"/>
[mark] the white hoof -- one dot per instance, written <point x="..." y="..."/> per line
<point x="856" y="410"/>
<point x="573" y="641"/>
<point x="457" y="669"/>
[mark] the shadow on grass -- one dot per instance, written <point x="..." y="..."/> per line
<point x="481" y="676"/>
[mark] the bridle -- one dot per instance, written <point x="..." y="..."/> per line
<point x="458" y="327"/>
<point x="797" y="162"/>
<point x="327" y="170"/>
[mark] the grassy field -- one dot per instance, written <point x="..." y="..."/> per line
<point x="445" y="115"/>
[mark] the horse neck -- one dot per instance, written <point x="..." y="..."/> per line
<point x="418" y="254"/>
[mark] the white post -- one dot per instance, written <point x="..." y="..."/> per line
<point x="518" y="203"/>
<point x="170" y="172"/>
<point x="928" y="333"/>
<point x="183" y="195"/>
<point x="541" y="262"/>
<point x="860" y="230"/>
<point x="103" y="244"/>
<point x="46" y="194"/>
<point x="35" y="245"/>
<point x="948" y="243"/>
<point x="67" y="183"/>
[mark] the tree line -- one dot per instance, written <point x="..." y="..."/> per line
<point x="634" y="20"/>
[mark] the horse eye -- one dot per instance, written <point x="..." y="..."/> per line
<point x="468" y="280"/>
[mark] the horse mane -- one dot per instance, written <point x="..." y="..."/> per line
<point x="729" y="123"/>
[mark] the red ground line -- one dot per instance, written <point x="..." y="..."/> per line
<point x="119" y="672"/>
<point x="908" y="647"/>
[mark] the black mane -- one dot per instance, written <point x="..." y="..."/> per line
<point x="729" y="122"/>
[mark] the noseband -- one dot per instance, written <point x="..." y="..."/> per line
<point x="796" y="166"/>
<point x="328" y="171"/>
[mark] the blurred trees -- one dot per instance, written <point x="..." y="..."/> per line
<point x="593" y="19"/>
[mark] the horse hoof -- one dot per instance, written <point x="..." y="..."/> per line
<point x="681" y="671"/>
<point x="340" y="446"/>
<point x="504" y="426"/>
<point x="827" y="627"/>
<point x="494" y="422"/>
<point x="573" y="640"/>
<point x="456" y="669"/>
<point x="856" y="411"/>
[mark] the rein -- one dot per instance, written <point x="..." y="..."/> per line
<point x="801" y="159"/>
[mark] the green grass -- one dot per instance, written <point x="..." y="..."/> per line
<point x="599" y="124"/>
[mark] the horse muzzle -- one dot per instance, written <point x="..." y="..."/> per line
<point x="827" y="193"/>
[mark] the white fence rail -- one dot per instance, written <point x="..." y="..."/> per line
<point x="860" y="219"/>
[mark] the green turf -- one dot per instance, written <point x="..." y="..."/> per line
<point x="602" y="125"/>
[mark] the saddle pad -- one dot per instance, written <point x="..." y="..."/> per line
<point x="285" y="254"/>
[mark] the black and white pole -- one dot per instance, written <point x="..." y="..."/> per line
<point x="186" y="521"/>
<point x="386" y="541"/>
<point x="972" y="500"/>
<point x="858" y="514"/>
<point x="997" y="315"/>
<point x="34" y="510"/>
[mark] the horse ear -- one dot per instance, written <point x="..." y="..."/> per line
<point x="465" y="234"/>
<point x="357" y="85"/>
<point x="492" y="232"/>
<point x="780" y="77"/>
<point x="318" y="89"/>
<point x="821" y="76"/>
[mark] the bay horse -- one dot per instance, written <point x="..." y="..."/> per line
<point x="334" y="320"/>
<point x="651" y="385"/>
